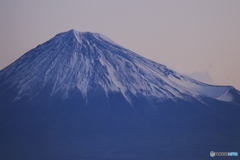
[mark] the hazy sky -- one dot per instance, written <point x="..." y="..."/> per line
<point x="189" y="36"/>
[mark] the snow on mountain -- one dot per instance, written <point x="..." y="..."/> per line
<point x="80" y="59"/>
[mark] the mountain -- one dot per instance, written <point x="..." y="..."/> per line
<point x="82" y="96"/>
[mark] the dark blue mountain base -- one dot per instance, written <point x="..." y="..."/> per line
<point x="100" y="129"/>
<point x="80" y="96"/>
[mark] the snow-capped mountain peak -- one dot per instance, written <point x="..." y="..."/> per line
<point x="83" y="60"/>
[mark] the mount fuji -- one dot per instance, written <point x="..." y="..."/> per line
<point x="82" y="96"/>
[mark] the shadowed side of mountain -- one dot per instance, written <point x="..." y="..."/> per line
<point x="115" y="130"/>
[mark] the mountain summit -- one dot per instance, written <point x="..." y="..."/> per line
<point x="82" y="96"/>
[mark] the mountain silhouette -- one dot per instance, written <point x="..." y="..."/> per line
<point x="82" y="96"/>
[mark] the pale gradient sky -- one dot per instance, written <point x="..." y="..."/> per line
<point x="188" y="36"/>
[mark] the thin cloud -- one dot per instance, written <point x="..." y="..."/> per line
<point x="202" y="76"/>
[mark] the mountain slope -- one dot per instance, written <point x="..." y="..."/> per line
<point x="82" y="96"/>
